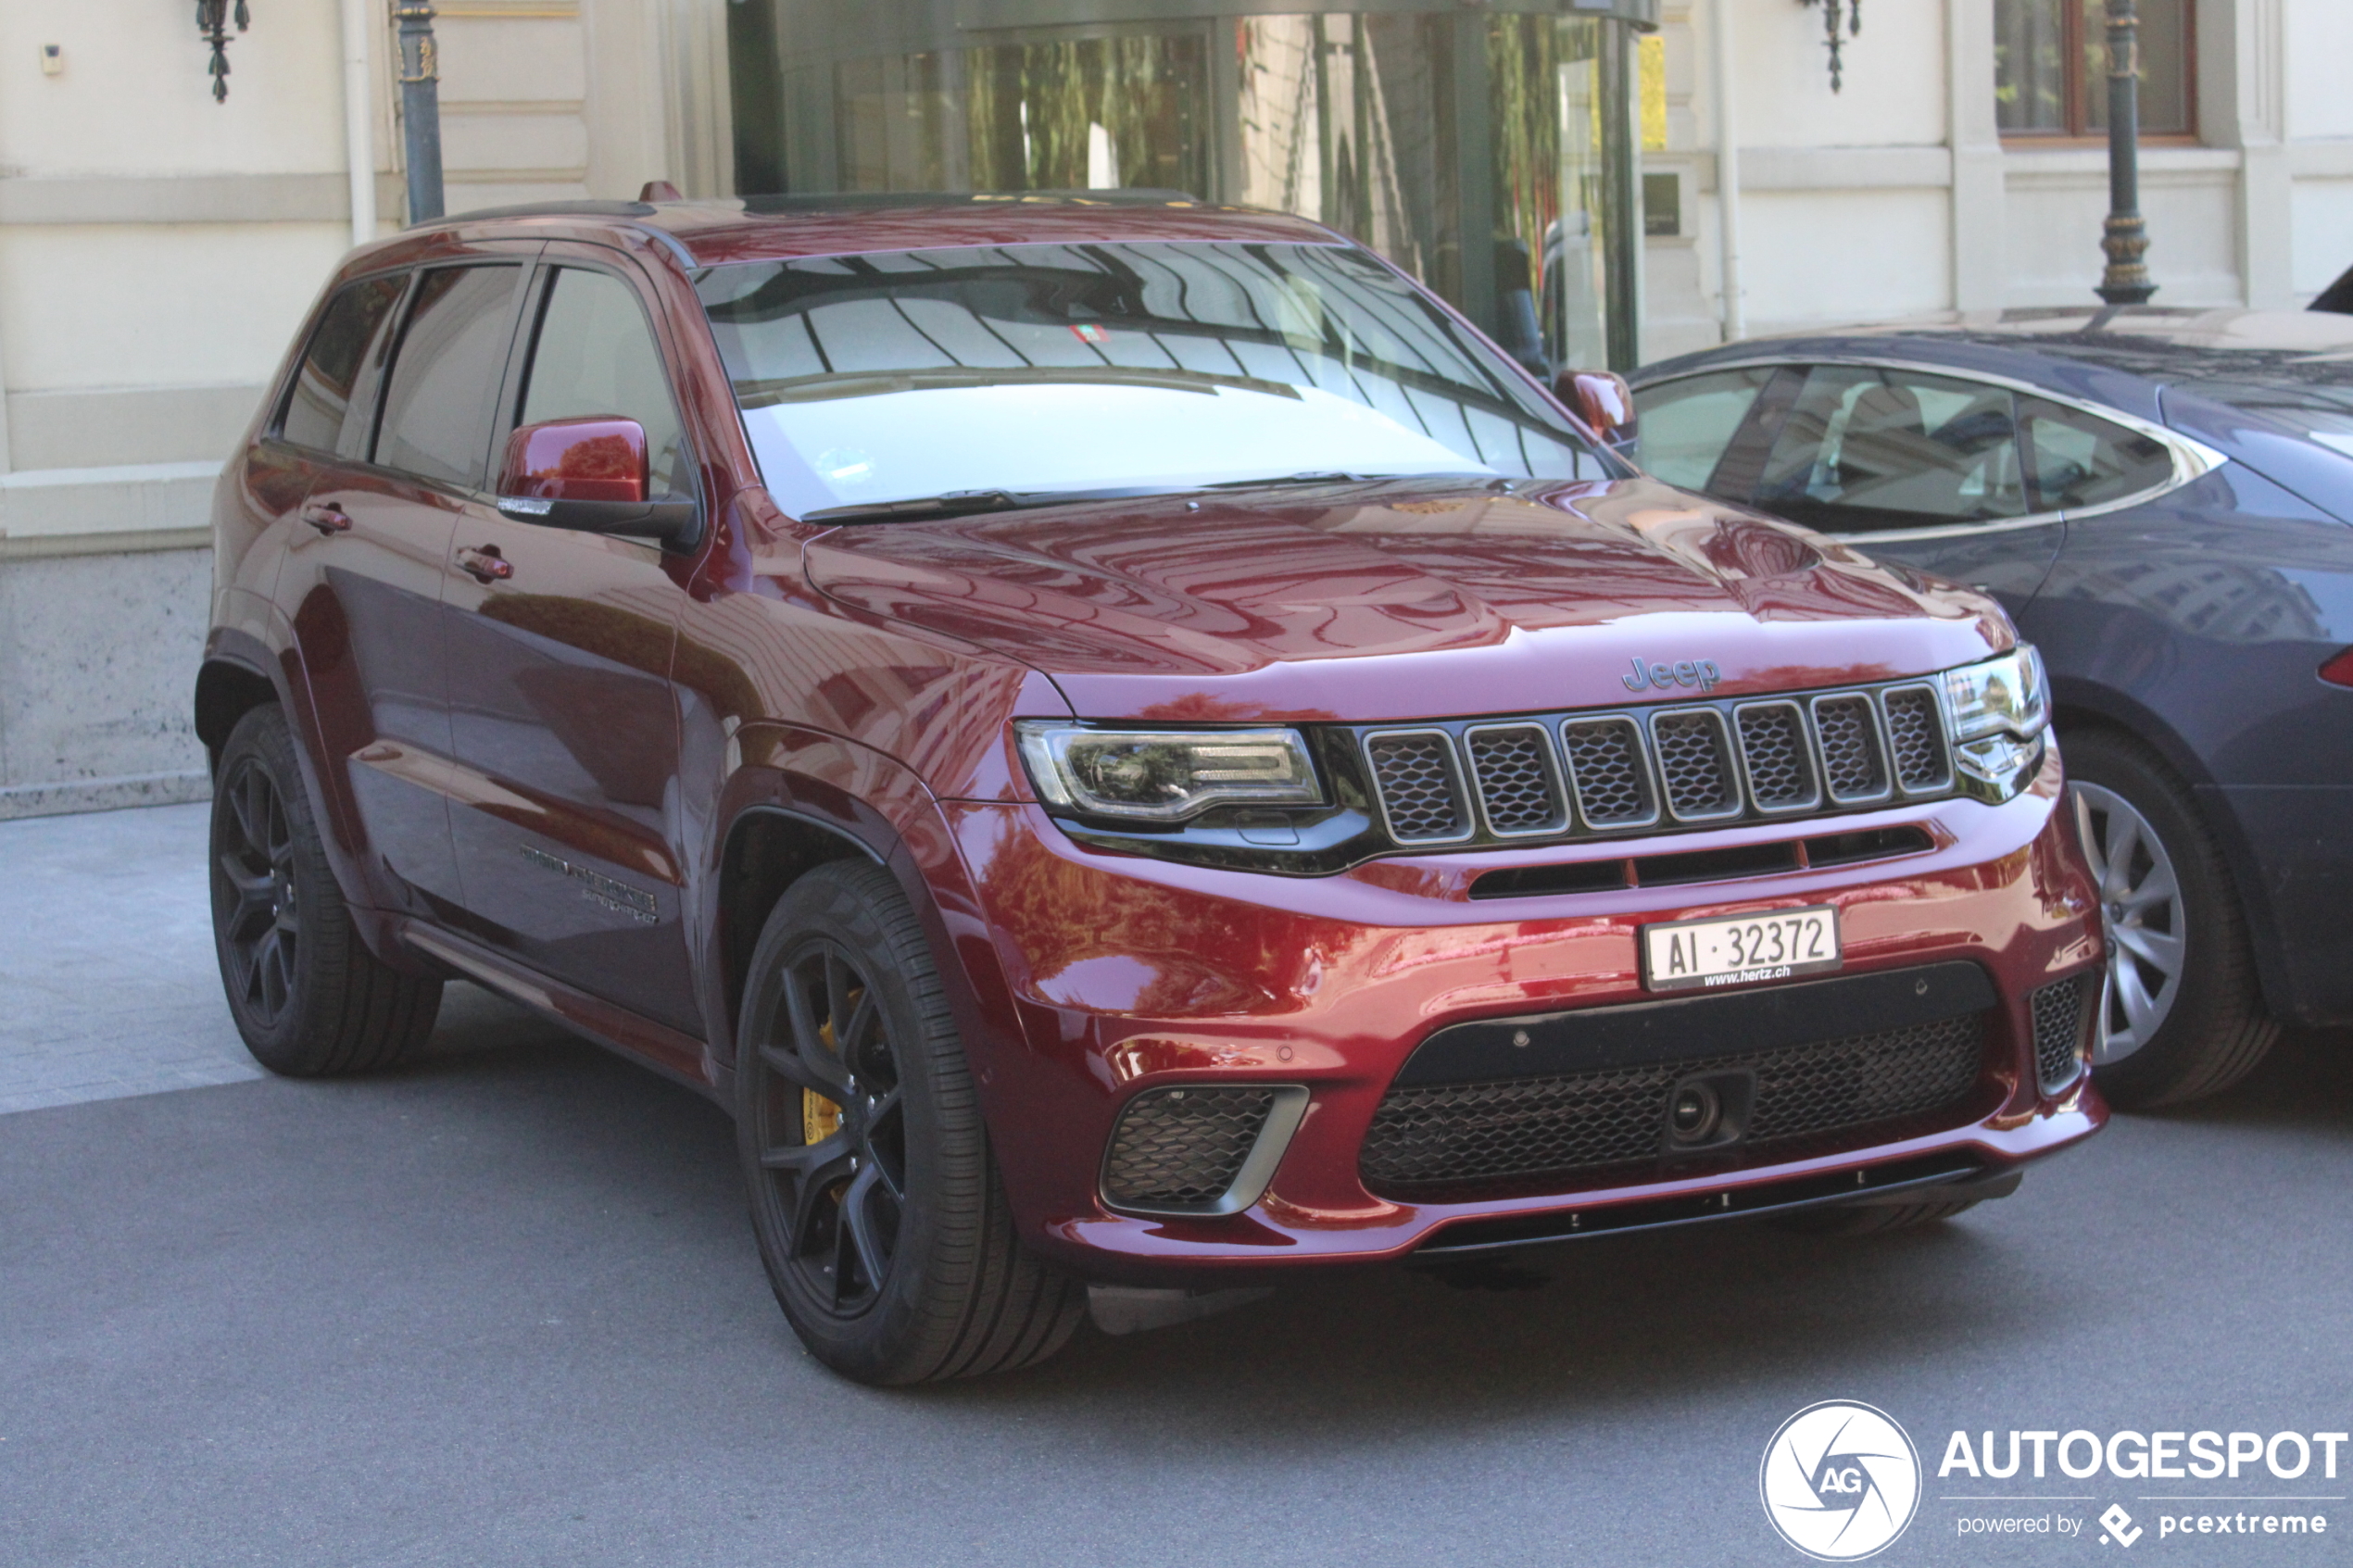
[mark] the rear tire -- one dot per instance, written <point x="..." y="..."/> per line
<point x="2181" y="1014"/>
<point x="307" y="996"/>
<point x="877" y="1205"/>
<point x="1872" y="1219"/>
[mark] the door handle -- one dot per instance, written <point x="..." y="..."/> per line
<point x="327" y="518"/>
<point x="485" y="565"/>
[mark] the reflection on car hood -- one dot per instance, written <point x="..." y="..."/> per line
<point x="1403" y="599"/>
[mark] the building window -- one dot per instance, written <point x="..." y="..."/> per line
<point x="2050" y="68"/>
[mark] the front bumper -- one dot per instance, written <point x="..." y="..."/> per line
<point x="1130" y="976"/>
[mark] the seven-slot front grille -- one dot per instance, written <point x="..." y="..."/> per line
<point x="1438" y="1135"/>
<point x="2058" y="1030"/>
<point x="1692" y="765"/>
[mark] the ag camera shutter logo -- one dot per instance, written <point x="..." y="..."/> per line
<point x="1840" y="1481"/>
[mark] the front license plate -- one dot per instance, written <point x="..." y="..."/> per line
<point x="1688" y="954"/>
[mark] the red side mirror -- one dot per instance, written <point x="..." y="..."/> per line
<point x="1603" y="401"/>
<point x="593" y="459"/>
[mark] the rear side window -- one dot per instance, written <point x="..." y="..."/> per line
<point x="323" y="412"/>
<point x="1866" y="449"/>
<point x="596" y="354"/>
<point x="439" y="402"/>
<point x="1687" y="424"/>
<point x="2083" y="460"/>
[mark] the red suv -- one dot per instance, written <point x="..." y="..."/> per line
<point x="1131" y="748"/>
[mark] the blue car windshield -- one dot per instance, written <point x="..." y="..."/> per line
<point x="1123" y="368"/>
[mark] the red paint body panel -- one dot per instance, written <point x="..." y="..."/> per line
<point x="629" y="712"/>
<point x="1131" y="974"/>
<point x="1403" y="599"/>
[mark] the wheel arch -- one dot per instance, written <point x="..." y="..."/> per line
<point x="228" y="687"/>
<point x="802" y="798"/>
<point x="768" y="847"/>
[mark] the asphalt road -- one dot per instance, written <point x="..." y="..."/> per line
<point x="502" y="1308"/>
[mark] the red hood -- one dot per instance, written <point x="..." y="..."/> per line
<point x="1403" y="599"/>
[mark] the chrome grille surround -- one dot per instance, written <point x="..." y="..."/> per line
<point x="1696" y="772"/>
<point x="1615" y="773"/>
<point x="1419" y="781"/>
<point x="1518" y="779"/>
<point x="1847" y="727"/>
<point x="1611" y="769"/>
<point x="1916" y="742"/>
<point x="1778" y="753"/>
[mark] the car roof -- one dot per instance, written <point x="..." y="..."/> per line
<point x="2120" y="354"/>
<point x="783" y="228"/>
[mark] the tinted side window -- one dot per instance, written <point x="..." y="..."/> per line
<point x="320" y="411"/>
<point x="445" y="381"/>
<point x="1868" y="449"/>
<point x="596" y="354"/>
<point x="1686" y="424"/>
<point x="2080" y="461"/>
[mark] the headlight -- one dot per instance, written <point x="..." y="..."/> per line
<point x="2001" y="694"/>
<point x="1999" y="709"/>
<point x="1163" y="776"/>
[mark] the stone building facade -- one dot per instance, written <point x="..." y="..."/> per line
<point x="159" y="249"/>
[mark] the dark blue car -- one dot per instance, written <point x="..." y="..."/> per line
<point x="2163" y="499"/>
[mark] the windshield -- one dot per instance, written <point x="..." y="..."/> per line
<point x="1037" y="371"/>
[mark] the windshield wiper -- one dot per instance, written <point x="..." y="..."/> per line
<point x="1327" y="477"/>
<point x="967" y="503"/>
<point x="948" y="503"/>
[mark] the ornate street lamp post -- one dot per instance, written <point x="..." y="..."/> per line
<point x="212" y="26"/>
<point x="2125" y="236"/>
<point x="420" y="107"/>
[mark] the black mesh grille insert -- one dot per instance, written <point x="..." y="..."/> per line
<point x="1780" y="773"/>
<point x="1916" y="733"/>
<point x="1515" y="781"/>
<point x="1181" y="1148"/>
<point x="1851" y="760"/>
<point x="1613" y="786"/>
<point x="2058" y="1030"/>
<point x="1694" y="768"/>
<point x="1445" y="1134"/>
<point x="1419" y="790"/>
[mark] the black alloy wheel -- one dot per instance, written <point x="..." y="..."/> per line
<point x="830" y="1127"/>
<point x="876" y="1200"/>
<point x="307" y="996"/>
<point x="261" y="925"/>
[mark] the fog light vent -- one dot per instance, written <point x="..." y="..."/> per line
<point x="2059" y="1030"/>
<point x="1199" y="1148"/>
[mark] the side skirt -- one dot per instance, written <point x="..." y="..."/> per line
<point x="679" y="1056"/>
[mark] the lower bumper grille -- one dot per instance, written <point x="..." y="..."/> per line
<point x="1447" y="1134"/>
<point x="1199" y="1148"/>
<point x="2058" y="1030"/>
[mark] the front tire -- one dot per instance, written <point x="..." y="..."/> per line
<point x="2181" y="1014"/>
<point x="307" y="996"/>
<point x="876" y="1204"/>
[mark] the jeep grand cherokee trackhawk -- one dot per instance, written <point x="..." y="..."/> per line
<point x="1131" y="748"/>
